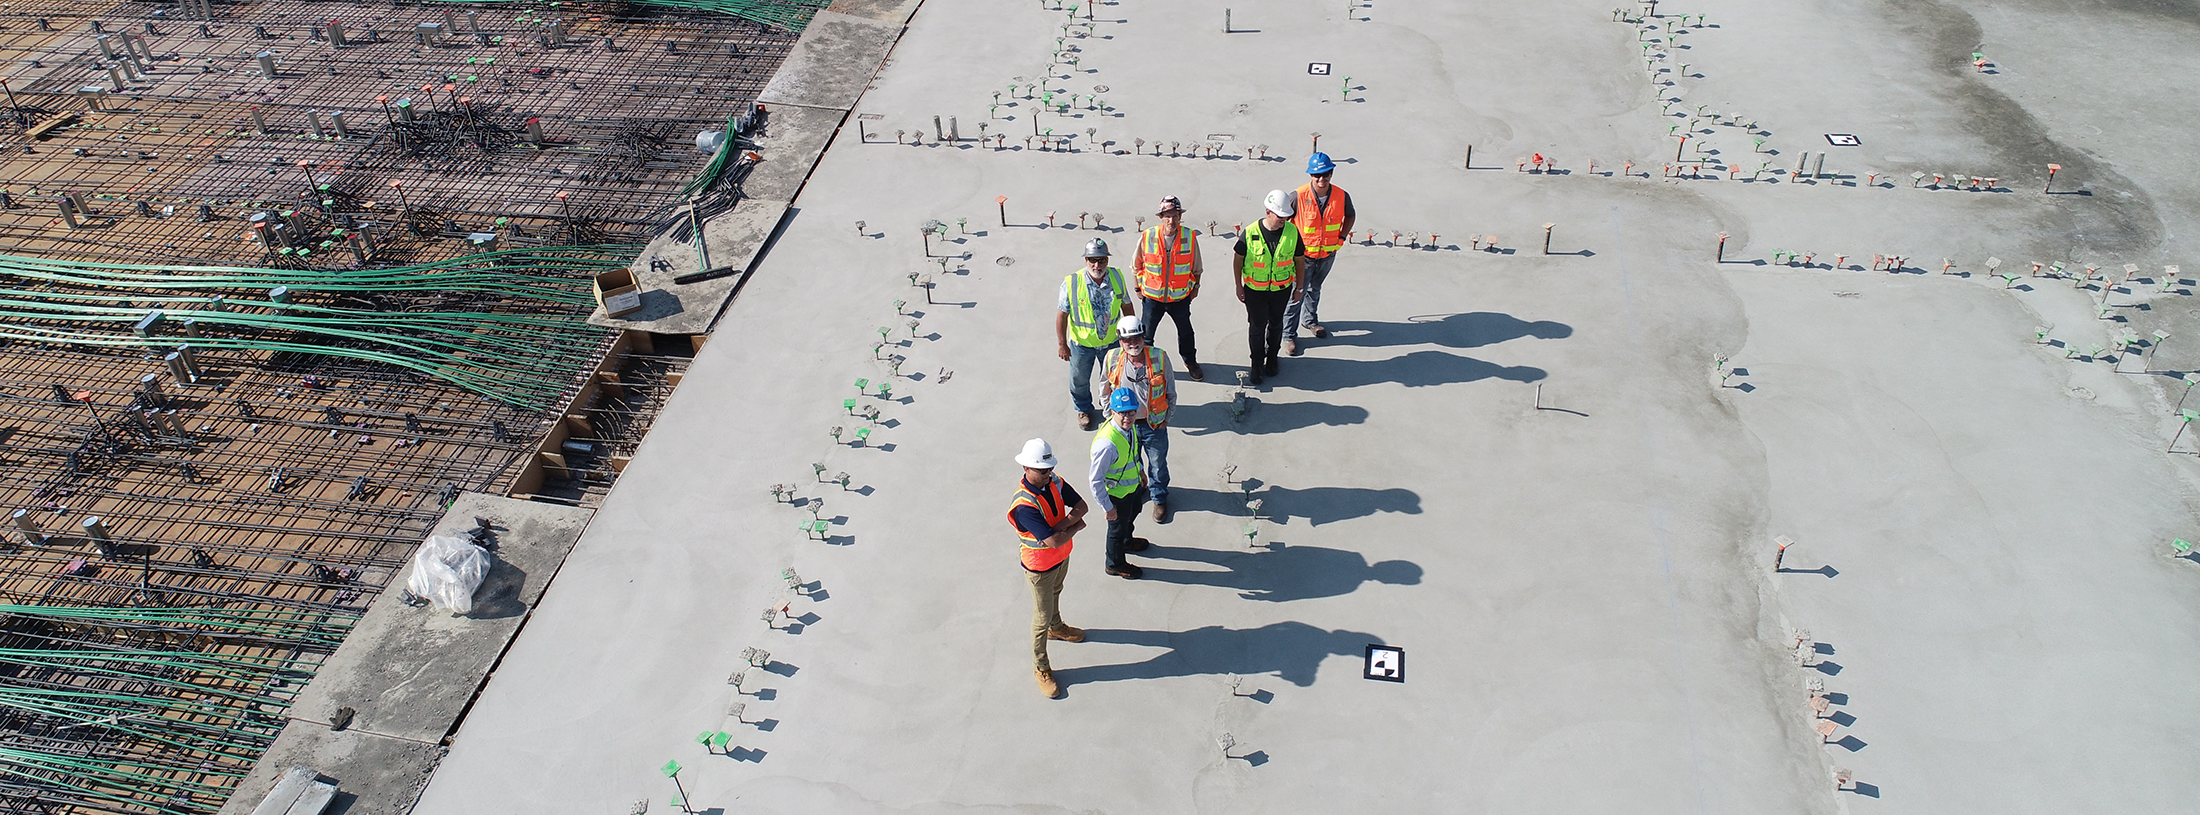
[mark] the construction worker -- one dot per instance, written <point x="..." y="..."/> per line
<point x="1046" y="513"/>
<point x="1145" y="370"/>
<point x="1325" y="216"/>
<point x="1118" y="484"/>
<point x="1084" y="324"/>
<point x="1168" y="278"/>
<point x="1270" y="257"/>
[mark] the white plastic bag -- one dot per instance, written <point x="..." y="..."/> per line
<point x="447" y="570"/>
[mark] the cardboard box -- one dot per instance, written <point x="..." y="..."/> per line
<point x="610" y="285"/>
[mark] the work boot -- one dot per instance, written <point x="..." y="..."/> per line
<point x="1066" y="634"/>
<point x="1047" y="685"/>
<point x="1291" y="346"/>
<point x="1086" y="421"/>
<point x="1160" y="512"/>
<point x="1254" y="376"/>
<point x="1269" y="367"/>
<point x="1127" y="571"/>
<point x="1319" y="330"/>
<point x="1137" y="545"/>
<point x="1191" y="366"/>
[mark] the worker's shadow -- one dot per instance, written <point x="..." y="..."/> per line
<point x="1282" y="573"/>
<point x="1318" y="505"/>
<point x="1466" y="330"/>
<point x="1261" y="418"/>
<point x="1292" y="651"/>
<point x="1415" y="370"/>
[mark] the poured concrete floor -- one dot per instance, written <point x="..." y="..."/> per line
<point x="1533" y="472"/>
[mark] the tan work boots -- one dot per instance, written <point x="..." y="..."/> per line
<point x="1047" y="685"/>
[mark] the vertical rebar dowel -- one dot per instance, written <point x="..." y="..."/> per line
<point x="267" y="64"/>
<point x="28" y="526"/>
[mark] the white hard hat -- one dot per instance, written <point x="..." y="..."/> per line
<point x="1282" y="203"/>
<point x="1130" y="327"/>
<point x="1037" y="454"/>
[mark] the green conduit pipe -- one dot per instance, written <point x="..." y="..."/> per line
<point x="792" y="15"/>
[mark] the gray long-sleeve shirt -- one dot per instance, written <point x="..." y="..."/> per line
<point x="1103" y="460"/>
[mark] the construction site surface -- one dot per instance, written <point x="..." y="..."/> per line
<point x="1828" y="450"/>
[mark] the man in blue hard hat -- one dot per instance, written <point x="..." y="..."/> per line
<point x="1118" y="480"/>
<point x="1325" y="216"/>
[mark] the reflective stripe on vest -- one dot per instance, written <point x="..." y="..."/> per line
<point x="1123" y="477"/>
<point x="1165" y="267"/>
<point x="1321" y="227"/>
<point x="1086" y="327"/>
<point x="1265" y="270"/>
<point x="1157" y="385"/>
<point x="1040" y="558"/>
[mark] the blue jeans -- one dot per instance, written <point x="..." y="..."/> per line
<point x="1154" y="441"/>
<point x="1317" y="270"/>
<point x="1081" y="361"/>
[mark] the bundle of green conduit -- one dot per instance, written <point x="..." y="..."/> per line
<point x="197" y="720"/>
<point x="792" y="15"/>
<point x="524" y="360"/>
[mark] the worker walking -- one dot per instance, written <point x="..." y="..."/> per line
<point x="1267" y="269"/>
<point x="1046" y="513"/>
<point x="1084" y="323"/>
<point x="1137" y="365"/>
<point x="1118" y="484"/>
<point x="1168" y="279"/>
<point x="1325" y="216"/>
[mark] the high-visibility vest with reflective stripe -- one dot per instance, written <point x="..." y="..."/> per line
<point x="1321" y="227"/>
<point x="1086" y="327"/>
<point x="1266" y="270"/>
<point x="1157" y="383"/>
<point x="1122" y="479"/>
<point x="1037" y="557"/>
<point x="1165" y="266"/>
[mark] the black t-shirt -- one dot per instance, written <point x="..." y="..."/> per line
<point x="1271" y="237"/>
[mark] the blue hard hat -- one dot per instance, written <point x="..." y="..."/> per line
<point x="1124" y="400"/>
<point x="1319" y="163"/>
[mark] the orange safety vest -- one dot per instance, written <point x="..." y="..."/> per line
<point x="1036" y="557"/>
<point x="1321" y="227"/>
<point x="1165" y="267"/>
<point x="1157" y="384"/>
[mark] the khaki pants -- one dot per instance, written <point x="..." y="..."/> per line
<point x="1046" y="610"/>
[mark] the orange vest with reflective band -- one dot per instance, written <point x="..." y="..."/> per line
<point x="1036" y="557"/>
<point x="1165" y="267"/>
<point x="1157" y="384"/>
<point x="1321" y="227"/>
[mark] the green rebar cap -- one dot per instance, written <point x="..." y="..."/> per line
<point x="671" y="768"/>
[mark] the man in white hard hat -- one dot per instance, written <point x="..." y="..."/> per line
<point x="1085" y="317"/>
<point x="1045" y="514"/>
<point x="1270" y="257"/>
<point x="1144" y="368"/>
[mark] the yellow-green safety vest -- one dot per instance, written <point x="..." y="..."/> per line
<point x="1086" y="327"/>
<point x="1266" y="270"/>
<point x="1123" y="477"/>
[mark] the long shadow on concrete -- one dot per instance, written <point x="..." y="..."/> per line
<point x="1293" y="651"/>
<point x="1318" y="505"/>
<point x="1260" y="419"/>
<point x="1414" y="370"/>
<point x="1282" y="573"/>
<point x="1468" y="330"/>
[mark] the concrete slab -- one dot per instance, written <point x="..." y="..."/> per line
<point x="833" y="61"/>
<point x="735" y="236"/>
<point x="408" y="672"/>
<point x="885" y="11"/>
<point x="794" y="138"/>
<point x="374" y="775"/>
<point x="1554" y="479"/>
